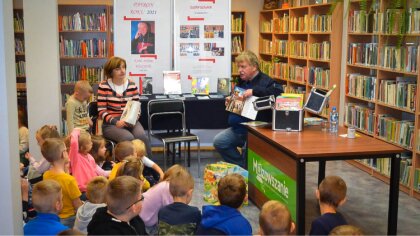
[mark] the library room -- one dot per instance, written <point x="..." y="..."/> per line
<point x="210" y="117"/>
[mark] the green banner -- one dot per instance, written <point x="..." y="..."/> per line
<point x="272" y="182"/>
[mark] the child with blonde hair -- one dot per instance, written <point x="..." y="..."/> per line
<point x="156" y="198"/>
<point x="37" y="168"/>
<point x="54" y="151"/>
<point x="275" y="219"/>
<point x="96" y="192"/>
<point x="76" y="107"/>
<point x="150" y="168"/>
<point x="47" y="200"/>
<point x="179" y="217"/>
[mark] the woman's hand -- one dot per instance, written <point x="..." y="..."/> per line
<point x="120" y="124"/>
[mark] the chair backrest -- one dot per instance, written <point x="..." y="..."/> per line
<point x="93" y="114"/>
<point x="168" y="114"/>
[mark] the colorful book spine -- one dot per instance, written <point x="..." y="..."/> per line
<point x="72" y="74"/>
<point x="20" y="69"/>
<point x="298" y="48"/>
<point x="266" y="46"/>
<point x="281" y="24"/>
<point x="365" y="54"/>
<point x="299" y="24"/>
<point x="83" y="48"/>
<point x="18" y="23"/>
<point x="19" y="46"/>
<point x="266" y="67"/>
<point x="83" y="22"/>
<point x="320" y="51"/>
<point x="319" y="77"/>
<point x="403" y="58"/>
<point x="236" y="23"/>
<point x="400" y="132"/>
<point x="298" y="73"/>
<point x="281" y="70"/>
<point x="400" y="92"/>
<point x="361" y="86"/>
<point x="237" y="44"/>
<point x="321" y="23"/>
<point x="281" y="47"/>
<point x="265" y="27"/>
<point x="359" y="116"/>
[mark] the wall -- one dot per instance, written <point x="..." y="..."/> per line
<point x="42" y="67"/>
<point x="252" y="8"/>
<point x="10" y="198"/>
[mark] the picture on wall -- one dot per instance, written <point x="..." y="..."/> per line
<point x="189" y="49"/>
<point x="189" y="31"/>
<point x="214" y="31"/>
<point x="200" y="85"/>
<point x="214" y="49"/>
<point x="146" y="85"/>
<point x="142" y="37"/>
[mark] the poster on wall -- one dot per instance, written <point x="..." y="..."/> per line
<point x="202" y="43"/>
<point x="142" y="34"/>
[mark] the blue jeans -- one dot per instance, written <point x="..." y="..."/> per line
<point x="227" y="143"/>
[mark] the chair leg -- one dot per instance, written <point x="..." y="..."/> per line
<point x="189" y="154"/>
<point x="185" y="154"/>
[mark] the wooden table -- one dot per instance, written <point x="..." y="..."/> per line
<point x="277" y="162"/>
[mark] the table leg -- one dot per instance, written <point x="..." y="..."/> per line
<point x="394" y="190"/>
<point x="300" y="214"/>
<point x="321" y="171"/>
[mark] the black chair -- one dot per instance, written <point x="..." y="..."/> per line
<point x="169" y="115"/>
<point x="94" y="116"/>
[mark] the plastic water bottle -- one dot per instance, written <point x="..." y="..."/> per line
<point x="334" y="120"/>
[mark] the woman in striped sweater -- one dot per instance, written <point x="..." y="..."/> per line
<point x="113" y="94"/>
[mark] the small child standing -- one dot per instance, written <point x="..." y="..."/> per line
<point x="121" y="215"/>
<point x="47" y="200"/>
<point x="179" y="218"/>
<point x="275" y="219"/>
<point x="226" y="218"/>
<point x="76" y="107"/>
<point x="37" y="168"/>
<point x="152" y="172"/>
<point x="96" y="192"/>
<point x="331" y="194"/>
<point x="82" y="165"/>
<point x="54" y="151"/>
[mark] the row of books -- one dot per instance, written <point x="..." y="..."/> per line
<point x="295" y="89"/>
<point x="281" y="70"/>
<point x="396" y="131"/>
<point x="320" y="51"/>
<point x="84" y="22"/>
<point x="82" y="48"/>
<point x="281" y="24"/>
<point x="400" y="92"/>
<point x="401" y="58"/>
<point x="20" y="68"/>
<point x="72" y="74"/>
<point x="236" y="23"/>
<point x="234" y="67"/>
<point x="266" y="67"/>
<point x="359" y="116"/>
<point x="298" y="73"/>
<point x="237" y="44"/>
<point x="17" y="23"/>
<point x="392" y="21"/>
<point x="320" y="23"/>
<point x="416" y="182"/>
<point x="265" y="27"/>
<point x="361" y="86"/>
<point x="19" y="46"/>
<point x="281" y="47"/>
<point x="299" y="24"/>
<point x="266" y="46"/>
<point x="363" y="54"/>
<point x="298" y="48"/>
<point x="319" y="77"/>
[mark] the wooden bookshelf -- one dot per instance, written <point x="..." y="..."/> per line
<point x="238" y="37"/>
<point x="285" y="48"/>
<point x="19" y="37"/>
<point x="391" y="89"/>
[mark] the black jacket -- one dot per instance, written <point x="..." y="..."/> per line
<point x="103" y="223"/>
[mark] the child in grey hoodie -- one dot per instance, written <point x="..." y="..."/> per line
<point x="96" y="191"/>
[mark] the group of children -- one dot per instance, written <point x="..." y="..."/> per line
<point x="76" y="190"/>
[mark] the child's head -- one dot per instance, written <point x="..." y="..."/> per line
<point x="98" y="149"/>
<point x="231" y="190"/>
<point x="275" y="219"/>
<point x="346" y="230"/>
<point x="124" y="149"/>
<point x="124" y="196"/>
<point x="139" y="147"/>
<point x="332" y="191"/>
<point x="46" y="131"/>
<point x="47" y="196"/>
<point x="171" y="172"/>
<point x="181" y="185"/>
<point x="96" y="189"/>
<point x="54" y="150"/>
<point x="82" y="90"/>
<point x="85" y="142"/>
<point x="132" y="166"/>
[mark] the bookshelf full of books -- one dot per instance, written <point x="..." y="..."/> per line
<point x="238" y="30"/>
<point x="296" y="45"/>
<point x="19" y="56"/>
<point x="85" y="35"/>
<point x="382" y="83"/>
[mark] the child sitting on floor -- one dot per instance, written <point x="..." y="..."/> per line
<point x="275" y="219"/>
<point x="152" y="172"/>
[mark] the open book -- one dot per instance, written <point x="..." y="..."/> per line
<point x="131" y="112"/>
<point x="241" y="106"/>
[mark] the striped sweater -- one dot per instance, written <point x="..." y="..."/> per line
<point x="110" y="104"/>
